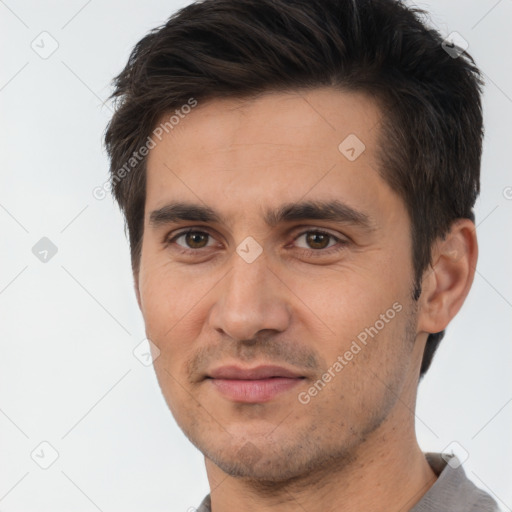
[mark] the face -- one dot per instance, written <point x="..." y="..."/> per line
<point x="276" y="281"/>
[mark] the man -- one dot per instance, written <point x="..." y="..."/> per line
<point x="298" y="181"/>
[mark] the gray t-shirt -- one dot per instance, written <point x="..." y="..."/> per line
<point x="451" y="492"/>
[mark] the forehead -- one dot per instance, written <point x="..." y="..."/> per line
<point x="277" y="148"/>
<point x="301" y="120"/>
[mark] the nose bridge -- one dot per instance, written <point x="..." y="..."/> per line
<point x="248" y="280"/>
<point x="250" y="299"/>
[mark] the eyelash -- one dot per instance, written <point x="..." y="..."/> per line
<point x="341" y="244"/>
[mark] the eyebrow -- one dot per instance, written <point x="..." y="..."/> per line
<point x="334" y="210"/>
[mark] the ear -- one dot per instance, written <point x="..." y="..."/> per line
<point x="447" y="281"/>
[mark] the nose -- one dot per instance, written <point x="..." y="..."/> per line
<point x="251" y="298"/>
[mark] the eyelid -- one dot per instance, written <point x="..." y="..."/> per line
<point x="301" y="230"/>
<point x="341" y="242"/>
<point x="297" y="232"/>
<point x="171" y="237"/>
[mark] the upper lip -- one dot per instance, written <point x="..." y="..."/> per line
<point x="259" y="372"/>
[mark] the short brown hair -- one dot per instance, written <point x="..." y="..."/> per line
<point x="432" y="119"/>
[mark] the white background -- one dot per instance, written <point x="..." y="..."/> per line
<point x="68" y="326"/>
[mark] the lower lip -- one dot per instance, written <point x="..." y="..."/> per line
<point x="254" y="391"/>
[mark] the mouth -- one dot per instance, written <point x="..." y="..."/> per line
<point x="253" y="385"/>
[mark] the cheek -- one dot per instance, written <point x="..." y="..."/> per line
<point x="167" y="297"/>
<point x="174" y="307"/>
<point x="346" y="302"/>
<point x="374" y="364"/>
<point x="363" y="320"/>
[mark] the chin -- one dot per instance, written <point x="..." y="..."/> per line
<point x="281" y="461"/>
<point x="267" y="468"/>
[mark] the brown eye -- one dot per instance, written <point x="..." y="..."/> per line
<point x="317" y="240"/>
<point x="191" y="240"/>
<point x="196" y="239"/>
<point x="315" y="243"/>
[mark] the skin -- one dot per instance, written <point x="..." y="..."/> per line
<point x="353" y="445"/>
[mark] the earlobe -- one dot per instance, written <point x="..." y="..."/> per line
<point x="446" y="283"/>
